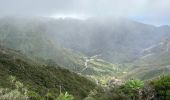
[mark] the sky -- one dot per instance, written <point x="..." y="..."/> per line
<point x="148" y="11"/>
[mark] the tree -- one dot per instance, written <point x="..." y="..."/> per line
<point x="133" y="87"/>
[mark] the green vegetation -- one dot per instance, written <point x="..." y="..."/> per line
<point x="40" y="79"/>
<point x="19" y="92"/>
<point x="162" y="87"/>
<point x="65" y="96"/>
<point x="31" y="39"/>
<point x="89" y="98"/>
<point x="133" y="87"/>
<point x="153" y="64"/>
<point x="35" y="68"/>
<point x="21" y="77"/>
<point x="100" y="70"/>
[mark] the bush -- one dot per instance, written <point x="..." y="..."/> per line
<point x="89" y="98"/>
<point x="162" y="87"/>
<point x="65" y="96"/>
<point x="133" y="87"/>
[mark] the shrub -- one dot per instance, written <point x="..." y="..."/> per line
<point x="162" y="87"/>
<point x="89" y="98"/>
<point x="65" y="96"/>
<point x="132" y="88"/>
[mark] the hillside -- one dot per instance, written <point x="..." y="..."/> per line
<point x="84" y="50"/>
<point x="95" y="48"/>
<point x="41" y="78"/>
<point x="115" y="40"/>
<point x="154" y="61"/>
<point x="32" y="38"/>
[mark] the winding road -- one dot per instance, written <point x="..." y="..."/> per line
<point x="88" y="60"/>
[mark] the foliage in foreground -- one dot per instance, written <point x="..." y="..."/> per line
<point x="19" y="92"/>
<point x="134" y="89"/>
<point x="65" y="96"/>
<point x="162" y="87"/>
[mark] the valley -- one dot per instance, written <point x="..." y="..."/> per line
<point x="88" y="58"/>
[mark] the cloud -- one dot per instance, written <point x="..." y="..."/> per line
<point x="33" y="7"/>
<point x="155" y="11"/>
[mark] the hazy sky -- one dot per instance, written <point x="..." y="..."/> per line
<point x="149" y="11"/>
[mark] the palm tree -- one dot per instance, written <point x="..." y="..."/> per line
<point x="133" y="87"/>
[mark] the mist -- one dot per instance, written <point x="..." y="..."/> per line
<point x="84" y="49"/>
<point x="148" y="11"/>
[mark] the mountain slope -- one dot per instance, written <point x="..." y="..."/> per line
<point x="116" y="40"/>
<point x="117" y="43"/>
<point x="154" y="61"/>
<point x="41" y="78"/>
<point x="32" y="38"/>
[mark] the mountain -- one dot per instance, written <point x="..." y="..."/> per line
<point x="46" y="57"/>
<point x="154" y="61"/>
<point x="115" y="40"/>
<point x="32" y="38"/>
<point x="92" y="47"/>
<point x="41" y="78"/>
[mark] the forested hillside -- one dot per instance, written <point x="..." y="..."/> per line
<point x="39" y="78"/>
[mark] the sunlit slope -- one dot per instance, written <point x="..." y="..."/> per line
<point x="99" y="67"/>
